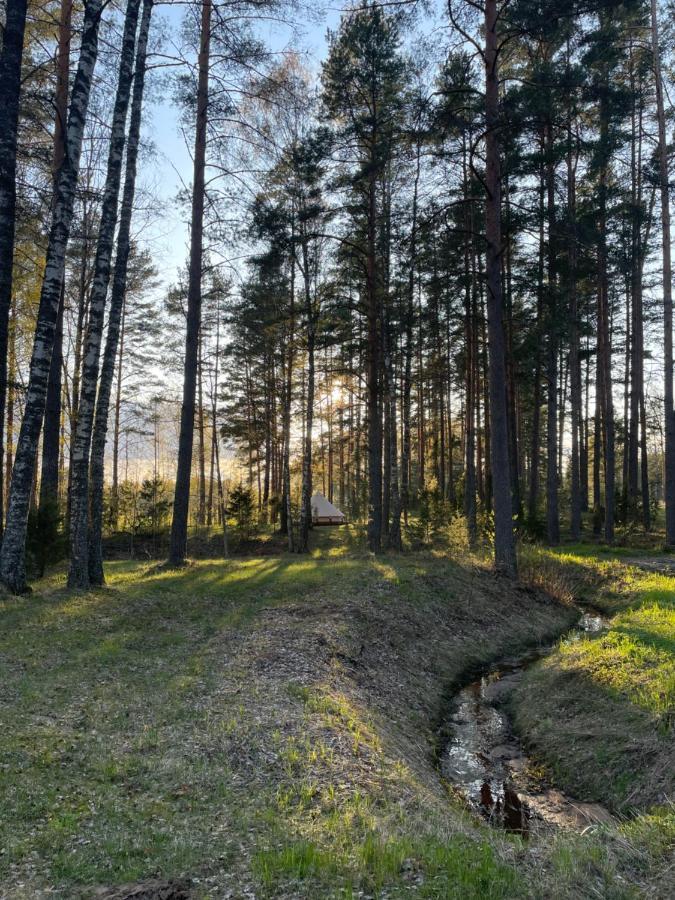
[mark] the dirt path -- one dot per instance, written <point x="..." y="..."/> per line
<point x="664" y="564"/>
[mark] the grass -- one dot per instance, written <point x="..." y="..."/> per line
<point x="457" y="868"/>
<point x="265" y="725"/>
<point x="600" y="710"/>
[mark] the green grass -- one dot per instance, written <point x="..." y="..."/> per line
<point x="604" y="705"/>
<point x="122" y="756"/>
<point x="265" y="725"/>
<point x="457" y="868"/>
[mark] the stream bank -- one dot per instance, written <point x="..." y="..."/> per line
<point x="484" y="760"/>
<point x="600" y="712"/>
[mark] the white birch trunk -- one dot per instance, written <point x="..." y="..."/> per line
<point x="13" y="556"/>
<point x="78" y="573"/>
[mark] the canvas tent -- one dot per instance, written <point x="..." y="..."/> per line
<point x="324" y="513"/>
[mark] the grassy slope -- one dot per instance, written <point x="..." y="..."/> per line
<point x="600" y="711"/>
<point x="265" y="726"/>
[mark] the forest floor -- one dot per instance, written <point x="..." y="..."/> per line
<point x="267" y="726"/>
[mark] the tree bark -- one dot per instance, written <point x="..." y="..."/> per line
<point x="10" y="87"/>
<point x="403" y="501"/>
<point x="535" y="444"/>
<point x="306" y="492"/>
<point x="669" y="412"/>
<point x="505" y="551"/>
<point x="604" y="333"/>
<point x="116" y="316"/>
<point x="181" y="504"/>
<point x="51" y="432"/>
<point x="470" y="381"/>
<point x="12" y="558"/>
<point x="574" y="363"/>
<point x="201" y="446"/>
<point x="78" y="572"/>
<point x="552" y="518"/>
<point x="115" y="486"/>
<point x="374" y="318"/>
<point x="286" y="414"/>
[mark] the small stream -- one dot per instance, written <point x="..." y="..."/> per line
<point x="487" y="763"/>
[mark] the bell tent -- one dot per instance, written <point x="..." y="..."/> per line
<point x="324" y="513"/>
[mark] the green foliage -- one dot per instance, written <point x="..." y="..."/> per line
<point x="362" y="85"/>
<point x="154" y="505"/>
<point x="458" y="535"/>
<point x="434" y="513"/>
<point x="145" y="508"/>
<point x="241" y="508"/>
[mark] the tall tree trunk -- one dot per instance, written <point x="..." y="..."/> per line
<point x="114" y="336"/>
<point x="511" y="387"/>
<point x="604" y="332"/>
<point x="505" y="551"/>
<point x="12" y="558"/>
<point x="584" y="451"/>
<point x="535" y="444"/>
<point x="222" y="512"/>
<point x="10" y="87"/>
<point x="222" y="503"/>
<point x="394" y="523"/>
<point x="286" y="414"/>
<point x="181" y="503"/>
<point x="635" y="355"/>
<point x="421" y="396"/>
<point x="552" y="518"/>
<point x="403" y="500"/>
<point x="80" y="328"/>
<point x="11" y="379"/>
<point x="373" y="378"/>
<point x="485" y="366"/>
<point x="597" y="442"/>
<point x="669" y="413"/>
<point x="470" y="341"/>
<point x="78" y="572"/>
<point x="51" y="432"/>
<point x="115" y="486"/>
<point x="306" y="491"/>
<point x="574" y="361"/>
<point x="201" y="446"/>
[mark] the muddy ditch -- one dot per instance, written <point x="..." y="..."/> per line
<point x="484" y="760"/>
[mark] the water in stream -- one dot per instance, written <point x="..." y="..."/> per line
<point x="488" y="764"/>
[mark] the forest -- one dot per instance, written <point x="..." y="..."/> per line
<point x="337" y="448"/>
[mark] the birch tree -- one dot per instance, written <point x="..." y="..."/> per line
<point x="78" y="573"/>
<point x="10" y="86"/>
<point x="13" y="554"/>
<point x="117" y="298"/>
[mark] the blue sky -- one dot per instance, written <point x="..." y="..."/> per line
<point x="171" y="167"/>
